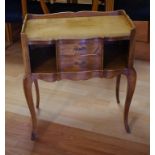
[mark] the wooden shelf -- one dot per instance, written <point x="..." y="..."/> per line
<point x="48" y="66"/>
<point x="115" y="54"/>
<point x="43" y="58"/>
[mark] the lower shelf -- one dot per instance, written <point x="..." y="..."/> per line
<point x="48" y="66"/>
<point x="43" y="59"/>
<point x="115" y="54"/>
<point x="116" y="63"/>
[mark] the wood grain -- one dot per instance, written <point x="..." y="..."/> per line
<point x="79" y="55"/>
<point x="27" y="85"/>
<point x="89" y="105"/>
<point x="131" y="76"/>
<point x="62" y="140"/>
<point x="86" y="25"/>
<point x="118" y="78"/>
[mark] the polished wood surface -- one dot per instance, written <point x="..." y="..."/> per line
<point x="37" y="93"/>
<point x="109" y="5"/>
<point x="131" y="83"/>
<point x="56" y="139"/>
<point x="80" y="25"/>
<point x="80" y="59"/>
<point x="44" y="7"/>
<point x="79" y="55"/>
<point x="27" y="85"/>
<point x="95" y="5"/>
<point x="89" y="105"/>
<point x="118" y="78"/>
<point x="24" y="7"/>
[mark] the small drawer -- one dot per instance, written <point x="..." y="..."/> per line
<point x="79" y="55"/>
<point x="79" y="47"/>
<point x="79" y="63"/>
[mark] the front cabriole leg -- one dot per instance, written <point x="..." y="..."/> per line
<point x="27" y="85"/>
<point x="131" y="82"/>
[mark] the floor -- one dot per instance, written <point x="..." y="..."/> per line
<point x="57" y="139"/>
<point x="88" y="106"/>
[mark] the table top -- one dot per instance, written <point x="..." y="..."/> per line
<point x="77" y="27"/>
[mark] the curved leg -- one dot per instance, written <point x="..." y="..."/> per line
<point x="37" y="93"/>
<point x="118" y="78"/>
<point x="27" y="85"/>
<point x="131" y="82"/>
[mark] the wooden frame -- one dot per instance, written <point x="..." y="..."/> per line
<point x="116" y="69"/>
<point x="44" y="6"/>
<point x="109" y="5"/>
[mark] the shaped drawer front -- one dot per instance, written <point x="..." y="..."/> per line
<point x="79" y="55"/>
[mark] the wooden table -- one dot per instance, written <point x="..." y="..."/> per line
<point x="78" y="46"/>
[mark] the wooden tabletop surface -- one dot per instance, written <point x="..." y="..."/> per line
<point x="77" y="28"/>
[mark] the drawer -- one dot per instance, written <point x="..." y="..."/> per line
<point x="79" y="55"/>
<point x="79" y="47"/>
<point x="79" y="63"/>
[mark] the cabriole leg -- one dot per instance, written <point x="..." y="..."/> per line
<point x="27" y="85"/>
<point x="118" y="78"/>
<point x="37" y="93"/>
<point x="131" y="82"/>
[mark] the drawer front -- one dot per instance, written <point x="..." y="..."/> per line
<point x="79" y="47"/>
<point x="79" y="63"/>
<point x="79" y="55"/>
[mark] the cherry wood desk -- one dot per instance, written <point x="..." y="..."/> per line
<point x="78" y="46"/>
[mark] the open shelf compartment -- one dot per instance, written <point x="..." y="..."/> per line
<point x="115" y="54"/>
<point x="42" y="58"/>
